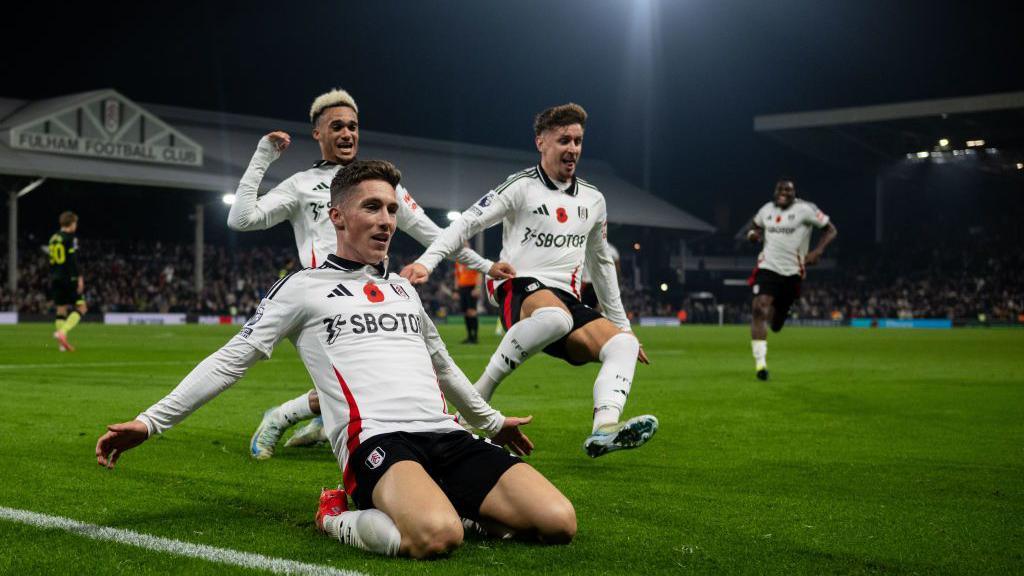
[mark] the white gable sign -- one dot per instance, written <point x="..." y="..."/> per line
<point x="108" y="126"/>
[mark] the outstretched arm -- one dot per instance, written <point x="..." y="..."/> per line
<point x="487" y="212"/>
<point x="414" y="221"/>
<point x="211" y="377"/>
<point x="280" y="314"/>
<point x="252" y="212"/>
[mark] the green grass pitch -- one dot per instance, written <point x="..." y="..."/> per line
<point x="869" y="451"/>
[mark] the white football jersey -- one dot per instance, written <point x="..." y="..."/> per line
<point x="375" y="357"/>
<point x="787" y="235"/>
<point x="303" y="200"/>
<point x="547" y="234"/>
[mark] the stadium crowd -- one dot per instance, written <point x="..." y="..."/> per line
<point x="974" y="283"/>
<point x="158" y="277"/>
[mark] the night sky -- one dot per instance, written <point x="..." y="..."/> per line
<point x="671" y="86"/>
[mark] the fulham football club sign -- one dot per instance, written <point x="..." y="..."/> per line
<point x="102" y="124"/>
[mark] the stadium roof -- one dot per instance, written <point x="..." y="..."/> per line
<point x="102" y="136"/>
<point x="869" y="137"/>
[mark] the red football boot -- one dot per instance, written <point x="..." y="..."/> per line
<point x="332" y="503"/>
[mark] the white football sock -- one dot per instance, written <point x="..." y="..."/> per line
<point x="614" y="380"/>
<point x="524" y="339"/>
<point x="370" y="530"/>
<point x="760" y="348"/>
<point x="295" y="410"/>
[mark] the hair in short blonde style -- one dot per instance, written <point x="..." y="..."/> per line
<point x="335" y="97"/>
<point x="67" y="219"/>
<point x="557" y="116"/>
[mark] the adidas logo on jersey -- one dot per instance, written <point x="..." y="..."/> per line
<point x="543" y="210"/>
<point x="322" y="186"/>
<point x="339" y="290"/>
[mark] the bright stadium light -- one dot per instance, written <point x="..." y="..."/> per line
<point x="975" y="143"/>
<point x="922" y="154"/>
<point x="664" y="287"/>
<point x="454" y="215"/>
<point x="943" y="142"/>
<point x="636" y="246"/>
<point x="1020" y="165"/>
<point x="228" y="199"/>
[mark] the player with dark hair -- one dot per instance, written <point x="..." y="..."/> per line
<point x="784" y="225"/>
<point x="303" y="200"/>
<point x="553" y="222"/>
<point x="67" y="286"/>
<point x="383" y="374"/>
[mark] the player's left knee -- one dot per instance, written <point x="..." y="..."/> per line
<point x="623" y="343"/>
<point x="558" y="525"/>
<point x="435" y="536"/>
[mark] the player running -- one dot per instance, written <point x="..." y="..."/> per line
<point x="553" y="222"/>
<point x="67" y="286"/>
<point x="383" y="374"/>
<point x="303" y="200"/>
<point x="784" y="225"/>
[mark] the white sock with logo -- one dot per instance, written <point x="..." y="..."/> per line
<point x="760" y="349"/>
<point x="615" y="379"/>
<point x="524" y="339"/>
<point x="370" y="530"/>
<point x="295" y="410"/>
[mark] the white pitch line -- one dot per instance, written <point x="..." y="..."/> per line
<point x="96" y="364"/>
<point x="176" y="547"/>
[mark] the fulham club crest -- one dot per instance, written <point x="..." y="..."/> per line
<point x="375" y="459"/>
<point x="400" y="291"/>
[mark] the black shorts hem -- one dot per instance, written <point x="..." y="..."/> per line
<point x="511" y="295"/>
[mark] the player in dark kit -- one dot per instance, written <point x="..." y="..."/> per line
<point x="784" y="225"/>
<point x="66" y="284"/>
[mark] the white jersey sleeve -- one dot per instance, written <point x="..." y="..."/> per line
<point x="279" y="315"/>
<point x="487" y="212"/>
<point x="455" y="386"/>
<point x="212" y="376"/>
<point x="413" y="220"/>
<point x="813" y="216"/>
<point x="601" y="265"/>
<point x="253" y="212"/>
<point x="759" y="217"/>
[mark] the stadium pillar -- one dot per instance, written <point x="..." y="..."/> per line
<point x="879" y="207"/>
<point x="12" y="242"/>
<point x="12" y="234"/>
<point x="197" y="267"/>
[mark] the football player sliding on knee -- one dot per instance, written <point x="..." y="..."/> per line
<point x="553" y="223"/>
<point x="784" y="225"/>
<point x="377" y="362"/>
<point x="302" y="201"/>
